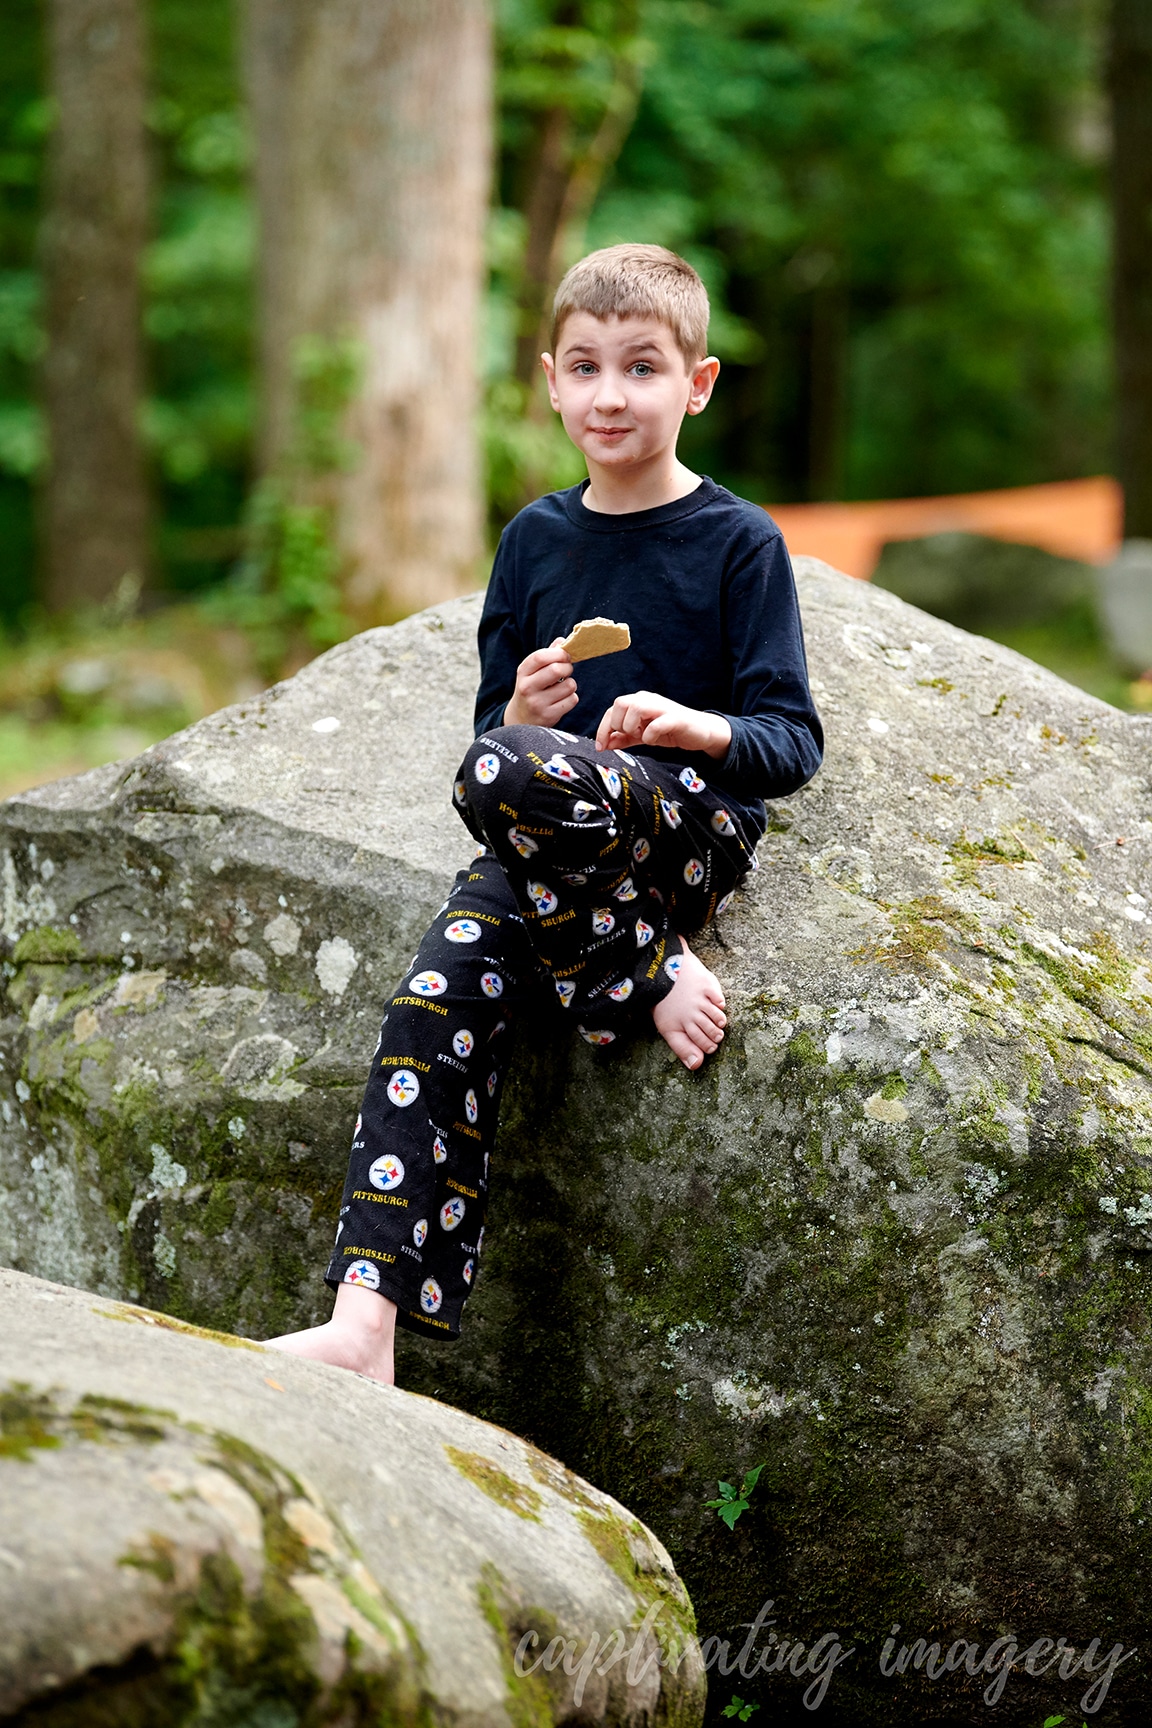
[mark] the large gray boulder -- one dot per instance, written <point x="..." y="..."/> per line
<point x="199" y="1531"/>
<point x="894" y="1239"/>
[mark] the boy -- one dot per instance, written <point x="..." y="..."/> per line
<point x="616" y="807"/>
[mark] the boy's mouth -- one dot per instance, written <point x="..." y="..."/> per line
<point x="609" y="431"/>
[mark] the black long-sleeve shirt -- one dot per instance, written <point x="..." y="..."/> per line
<point x="705" y="585"/>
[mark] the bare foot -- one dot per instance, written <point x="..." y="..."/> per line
<point x="691" y="1018"/>
<point x="358" y="1336"/>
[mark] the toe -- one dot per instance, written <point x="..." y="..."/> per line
<point x="684" y="1046"/>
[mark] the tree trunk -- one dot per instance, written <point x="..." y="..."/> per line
<point x="827" y="384"/>
<point x="567" y="173"/>
<point x="1130" y="81"/>
<point x="96" y="502"/>
<point x="373" y="146"/>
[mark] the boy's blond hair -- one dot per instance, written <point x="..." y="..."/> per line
<point x="634" y="281"/>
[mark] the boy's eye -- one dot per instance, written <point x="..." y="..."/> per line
<point x="642" y="369"/>
<point x="584" y="368"/>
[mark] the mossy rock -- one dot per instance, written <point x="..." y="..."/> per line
<point x="893" y="1241"/>
<point x="269" y="1542"/>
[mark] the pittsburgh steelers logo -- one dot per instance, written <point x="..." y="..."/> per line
<point x="671" y="813"/>
<point x="565" y="989"/>
<point x="363" y="1272"/>
<point x="596" y="1037"/>
<point x="471" y="1107"/>
<point x="641" y="851"/>
<point x="460" y="792"/>
<point x="491" y="1084"/>
<point x="479" y="852"/>
<point x="621" y="992"/>
<point x="626" y="891"/>
<point x="387" y="1172"/>
<point x="469" y="1268"/>
<point x="543" y="898"/>
<point x="690" y="778"/>
<point x="624" y="757"/>
<point x="487" y="769"/>
<point x="403" y="1088"/>
<point x="672" y="966"/>
<point x="644" y="933"/>
<point x="724" y="904"/>
<point x="419" y="1231"/>
<point x="582" y="809"/>
<point x="431" y="1295"/>
<point x="722" y="822"/>
<point x="577" y="881"/>
<point x="451" y="1213"/>
<point x="611" y="780"/>
<point x="560" y="768"/>
<point x="693" y="872"/>
<point x="463" y="930"/>
<point x="492" y="984"/>
<point x="497" y="1029"/>
<point x="523" y="843"/>
<point x="429" y="984"/>
<point x="439" y="1150"/>
<point x="602" y="921"/>
<point x="463" y="1042"/>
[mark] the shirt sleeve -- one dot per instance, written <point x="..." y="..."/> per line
<point x="777" y="740"/>
<point x="501" y="645"/>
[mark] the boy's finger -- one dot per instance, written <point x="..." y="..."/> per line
<point x="608" y="726"/>
<point x="634" y="720"/>
<point x="544" y="657"/>
<point x="547" y="677"/>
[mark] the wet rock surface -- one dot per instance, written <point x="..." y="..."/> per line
<point x="201" y="1531"/>
<point x="895" y="1238"/>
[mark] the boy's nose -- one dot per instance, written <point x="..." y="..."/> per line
<point x="610" y="396"/>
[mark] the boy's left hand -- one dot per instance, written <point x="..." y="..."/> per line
<point x="645" y="718"/>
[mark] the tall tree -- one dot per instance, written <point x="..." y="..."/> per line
<point x="1130" y="81"/>
<point x="373" y="140"/>
<point x="96" y="504"/>
<point x="576" y="80"/>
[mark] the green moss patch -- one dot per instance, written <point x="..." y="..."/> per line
<point x="166" y="1323"/>
<point x="491" y="1480"/>
<point x="616" y="1540"/>
<point x="530" y="1698"/>
<point x="26" y="1422"/>
<point x="47" y="946"/>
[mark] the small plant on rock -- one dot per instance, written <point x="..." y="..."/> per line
<point x="733" y="1501"/>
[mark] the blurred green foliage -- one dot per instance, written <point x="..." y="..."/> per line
<point x="898" y="206"/>
<point x="284" y="593"/>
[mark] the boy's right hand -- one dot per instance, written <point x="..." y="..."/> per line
<point x="545" y="688"/>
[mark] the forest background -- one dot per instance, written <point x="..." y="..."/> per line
<point x="900" y="207"/>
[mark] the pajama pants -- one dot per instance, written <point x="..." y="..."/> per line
<point x="590" y="862"/>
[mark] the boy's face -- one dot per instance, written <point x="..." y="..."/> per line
<point x="622" y="387"/>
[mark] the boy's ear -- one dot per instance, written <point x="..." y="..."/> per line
<point x="703" y="379"/>
<point x="549" y="366"/>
